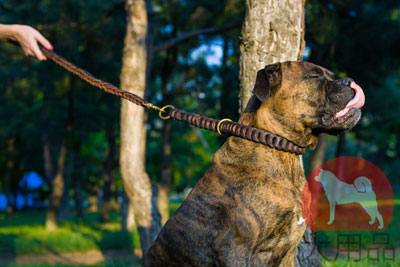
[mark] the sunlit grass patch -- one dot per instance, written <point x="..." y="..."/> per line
<point x="18" y="236"/>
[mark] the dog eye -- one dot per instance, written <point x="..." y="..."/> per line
<point x="312" y="76"/>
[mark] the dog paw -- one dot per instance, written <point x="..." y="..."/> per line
<point x="371" y="221"/>
<point x="380" y="226"/>
<point x="330" y="222"/>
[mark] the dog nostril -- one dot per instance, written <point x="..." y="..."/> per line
<point x="347" y="81"/>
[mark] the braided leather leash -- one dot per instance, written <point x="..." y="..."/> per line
<point x="225" y="126"/>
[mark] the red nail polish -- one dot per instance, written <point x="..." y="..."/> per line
<point x="50" y="47"/>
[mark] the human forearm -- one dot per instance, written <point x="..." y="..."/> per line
<point x="8" y="32"/>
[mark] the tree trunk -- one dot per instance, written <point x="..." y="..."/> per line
<point x="10" y="168"/>
<point x="307" y="253"/>
<point x="137" y="184"/>
<point x="127" y="214"/>
<point x="341" y="144"/>
<point x="114" y="205"/>
<point x="166" y="172"/>
<point x="64" y="210"/>
<point x="317" y="156"/>
<point x="109" y="173"/>
<point x="57" y="181"/>
<point x="273" y="31"/>
<point x="57" y="190"/>
<point x="77" y="179"/>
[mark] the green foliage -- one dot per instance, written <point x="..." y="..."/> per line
<point x="25" y="234"/>
<point x="35" y="94"/>
<point x="360" y="39"/>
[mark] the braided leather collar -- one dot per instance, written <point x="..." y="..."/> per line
<point x="231" y="128"/>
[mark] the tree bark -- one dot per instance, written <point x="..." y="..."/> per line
<point x="127" y="214"/>
<point x="57" y="177"/>
<point x="273" y="31"/>
<point x="137" y="184"/>
<point x="57" y="190"/>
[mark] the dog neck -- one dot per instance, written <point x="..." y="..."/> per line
<point x="261" y="116"/>
<point x="251" y="158"/>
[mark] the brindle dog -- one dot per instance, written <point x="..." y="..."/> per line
<point x="247" y="210"/>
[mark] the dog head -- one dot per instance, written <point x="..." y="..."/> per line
<point x="299" y="100"/>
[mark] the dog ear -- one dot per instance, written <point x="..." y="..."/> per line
<point x="267" y="80"/>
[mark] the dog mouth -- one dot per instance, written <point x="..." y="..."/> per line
<point x="357" y="102"/>
<point x="348" y="116"/>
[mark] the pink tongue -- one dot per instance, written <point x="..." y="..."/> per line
<point x="357" y="102"/>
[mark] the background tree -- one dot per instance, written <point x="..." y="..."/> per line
<point x="273" y="32"/>
<point x="137" y="184"/>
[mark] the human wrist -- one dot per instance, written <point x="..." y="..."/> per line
<point x="9" y="32"/>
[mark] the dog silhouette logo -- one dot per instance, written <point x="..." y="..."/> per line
<point x="347" y="194"/>
<point x="339" y="192"/>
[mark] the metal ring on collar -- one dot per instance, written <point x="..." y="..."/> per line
<point x="219" y="125"/>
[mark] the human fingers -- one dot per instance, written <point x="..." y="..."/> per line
<point x="35" y="48"/>
<point x="43" y="41"/>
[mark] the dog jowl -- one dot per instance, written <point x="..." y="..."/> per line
<point x="246" y="210"/>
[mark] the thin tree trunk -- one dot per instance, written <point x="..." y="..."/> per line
<point x="57" y="183"/>
<point x="273" y="31"/>
<point x="77" y="179"/>
<point x="57" y="190"/>
<point x="166" y="174"/>
<point x="114" y="205"/>
<point x="341" y="144"/>
<point x="64" y="210"/>
<point x="137" y="184"/>
<point x="9" y="171"/>
<point x="109" y="173"/>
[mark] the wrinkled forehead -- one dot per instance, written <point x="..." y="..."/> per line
<point x="303" y="68"/>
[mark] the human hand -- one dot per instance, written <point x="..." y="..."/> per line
<point x="28" y="38"/>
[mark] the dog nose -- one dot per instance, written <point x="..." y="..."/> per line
<point x="346" y="81"/>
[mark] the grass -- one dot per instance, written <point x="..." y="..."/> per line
<point x="367" y="242"/>
<point x="115" y="263"/>
<point x="24" y="233"/>
<point x="362" y="263"/>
